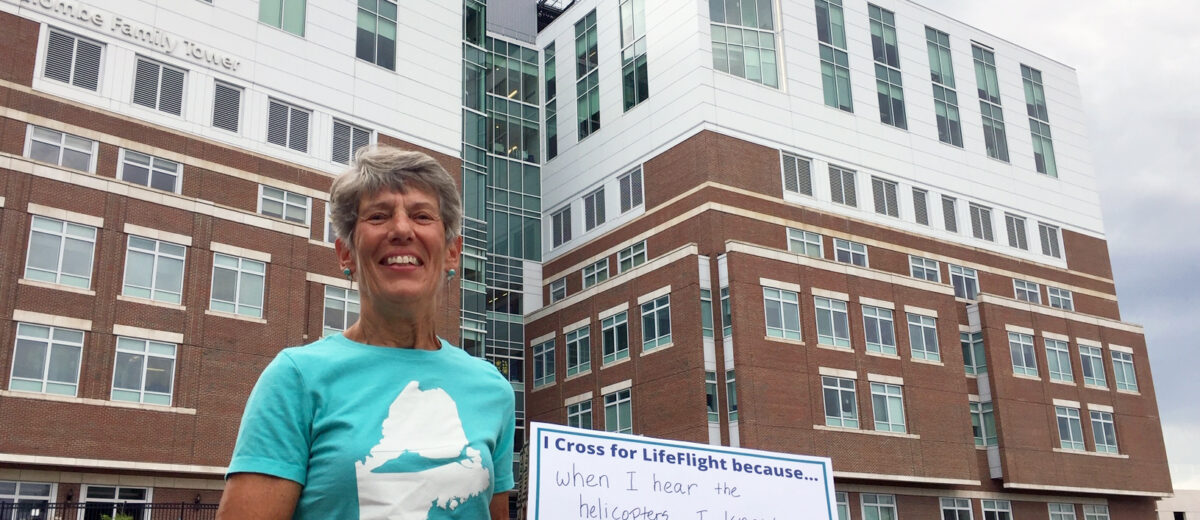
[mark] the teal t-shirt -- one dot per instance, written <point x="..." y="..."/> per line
<point x="377" y="432"/>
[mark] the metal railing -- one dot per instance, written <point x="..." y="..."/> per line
<point x="37" y="510"/>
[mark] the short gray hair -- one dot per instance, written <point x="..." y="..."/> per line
<point x="380" y="167"/>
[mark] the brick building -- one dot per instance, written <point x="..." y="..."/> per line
<point x="736" y="248"/>
<point x="857" y="230"/>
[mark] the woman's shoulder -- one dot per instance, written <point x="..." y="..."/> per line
<point x="469" y="362"/>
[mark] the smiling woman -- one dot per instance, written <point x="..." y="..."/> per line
<point x="384" y="420"/>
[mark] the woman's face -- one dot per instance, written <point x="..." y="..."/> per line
<point x="400" y="250"/>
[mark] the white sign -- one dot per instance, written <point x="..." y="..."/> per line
<point x="592" y="475"/>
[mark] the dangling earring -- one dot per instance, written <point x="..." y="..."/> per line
<point x="346" y="272"/>
<point x="450" y="274"/>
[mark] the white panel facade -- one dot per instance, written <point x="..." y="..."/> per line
<point x="687" y="95"/>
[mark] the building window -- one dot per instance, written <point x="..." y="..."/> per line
<point x="560" y="226"/>
<point x="974" y="359"/>
<point x="284" y="14"/>
<point x="1070" y="430"/>
<point x="631" y="189"/>
<point x="805" y="242"/>
<point x="1049" y="236"/>
<point x="348" y="138"/>
<point x="983" y="423"/>
<point x="797" y="174"/>
<point x="618" y="412"/>
<point x="614" y="332"/>
<point x="924" y="268"/>
<point x="158" y="86"/>
<point x="994" y="137"/>
<point x="849" y="252"/>
<point x="656" y="323"/>
<point x="1039" y="121"/>
<point x="1123" y="371"/>
<point x="1058" y="360"/>
<point x="144" y="371"/>
<point x="1020" y="347"/>
<point x="543" y="364"/>
<point x="922" y="337"/>
<point x="60" y="252"/>
<point x="579" y="415"/>
<point x="595" y="273"/>
<point x="587" y="82"/>
<point x="46" y="359"/>
<point x="743" y="40"/>
<point x="1095" y="512"/>
<point x="1062" y="511"/>
<point x="710" y="396"/>
<point x="274" y="202"/>
<point x="880" y="330"/>
<point x="841" y="406"/>
<point x="551" y="88"/>
<point x="62" y="149"/>
<point x="945" y="99"/>
<point x="579" y="351"/>
<point x="887" y="402"/>
<point x="634" y="78"/>
<point x="841" y="185"/>
<point x="706" y="310"/>
<point x="558" y="289"/>
<point x="593" y="209"/>
<point x="731" y="395"/>
<point x="1092" y="361"/>
<point x="287" y="126"/>
<point x="997" y="510"/>
<point x="950" y="213"/>
<point x="885" y="197"/>
<point x="341" y="310"/>
<point x="879" y="507"/>
<point x="631" y="256"/>
<point x="1103" y="432"/>
<point x="1027" y="291"/>
<point x="965" y="281"/>
<point x="112" y="501"/>
<point x="981" y="222"/>
<point x="782" y="310"/>
<point x="227" y="107"/>
<point x="726" y="313"/>
<point x="843" y="505"/>
<point x="920" y="206"/>
<point x="1060" y="298"/>
<point x="1015" y="226"/>
<point x="833" y="324"/>
<point x="835" y="62"/>
<point x="147" y="170"/>
<point x="377" y="32"/>
<point x="30" y="498"/>
<point x="237" y="285"/>
<point x="887" y="66"/>
<point x="73" y="60"/>
<point x="956" y="509"/>
<point x="154" y="270"/>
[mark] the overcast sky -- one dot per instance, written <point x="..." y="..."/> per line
<point x="1139" y="73"/>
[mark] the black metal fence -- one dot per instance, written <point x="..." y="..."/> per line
<point x="36" y="510"/>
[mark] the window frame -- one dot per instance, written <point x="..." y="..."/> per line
<point x="970" y="291"/>
<point x="878" y="502"/>
<point x="587" y="84"/>
<point x="886" y="195"/>
<point x="376" y="46"/>
<point x="653" y="337"/>
<point x="239" y="272"/>
<point x="146" y="354"/>
<point x="981" y="222"/>
<point x="578" y="344"/>
<point x="348" y="298"/>
<point x="289" y="130"/>
<point x="731" y="400"/>
<point x="888" y="79"/>
<point x="983" y="423"/>
<point x="595" y="272"/>
<point x="1027" y="291"/>
<point x="634" y="74"/>
<point x="806" y="240"/>
<point x="577" y="412"/>
<point x="542" y="355"/>
<point x="800" y="177"/>
<point x="237" y="115"/>
<point x="956" y="507"/>
<point x="707" y="325"/>
<point x="62" y="147"/>
<point x="999" y="509"/>
<point x="834" y="59"/>
<point x="1061" y="511"/>
<point x="1104" y="432"/>
<point x="1058" y="360"/>
<point x="1014" y="226"/>
<point x="634" y="255"/>
<point x="874" y="320"/>
<point x="712" y="403"/>
<point x="156" y="255"/>
<point x="922" y="264"/>
<point x="845" y="393"/>
<point x="558" y="289"/>
<point x="787" y="306"/>
<point x="48" y="344"/>
<point x="920" y="202"/>
<point x="753" y="35"/>
<point x="1060" y="298"/>
<point x="630" y="197"/>
<point x="1070" y="438"/>
<point x="974" y="355"/>
<point x="593" y="209"/>
<point x="618" y="324"/>
<point x="1124" y="371"/>
<point x="843" y="188"/>
<point x="852" y="251"/>
<point x="890" y="416"/>
<point x="1051" y="239"/>
<point x="285" y="203"/>
<point x="615" y="400"/>
<point x="73" y="78"/>
<point x="159" y="87"/>
<point x="123" y="161"/>
<point x="62" y="235"/>
<point x="1021" y="343"/>
<point x="354" y="130"/>
<point x="1092" y="357"/>
<point x="560" y="226"/>
<point x="928" y="329"/>
<point x="283" y="4"/>
<point x="827" y="305"/>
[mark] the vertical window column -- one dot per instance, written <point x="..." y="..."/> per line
<point x="945" y="99"/>
<point x="994" y="137"/>
<point x="835" y="62"/>
<point x="1039" y="121"/>
<point x="886" y="50"/>
<point x="634" y="78"/>
<point x="743" y="39"/>
<point x="587" y="78"/>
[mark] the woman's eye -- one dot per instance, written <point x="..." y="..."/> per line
<point x="423" y="217"/>
<point x="376" y="217"/>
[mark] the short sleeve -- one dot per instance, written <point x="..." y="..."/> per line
<point x="502" y="462"/>
<point x="275" y="435"/>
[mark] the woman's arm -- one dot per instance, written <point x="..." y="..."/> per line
<point x="258" y="496"/>
<point x="499" y="506"/>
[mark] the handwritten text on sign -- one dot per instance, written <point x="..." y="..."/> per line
<point x="590" y="475"/>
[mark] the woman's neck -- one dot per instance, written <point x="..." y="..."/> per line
<point x="394" y="329"/>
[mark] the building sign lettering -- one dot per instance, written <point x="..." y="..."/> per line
<point x="150" y="36"/>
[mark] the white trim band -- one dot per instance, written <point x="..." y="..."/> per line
<point x="616" y="387"/>
<point x="227" y="249"/>
<point x="52" y="320"/>
<point x="837" y="372"/>
<point x="166" y="236"/>
<point x="776" y="284"/>
<point x="156" y="335"/>
<point x="661" y="291"/>
<point x="62" y="214"/>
